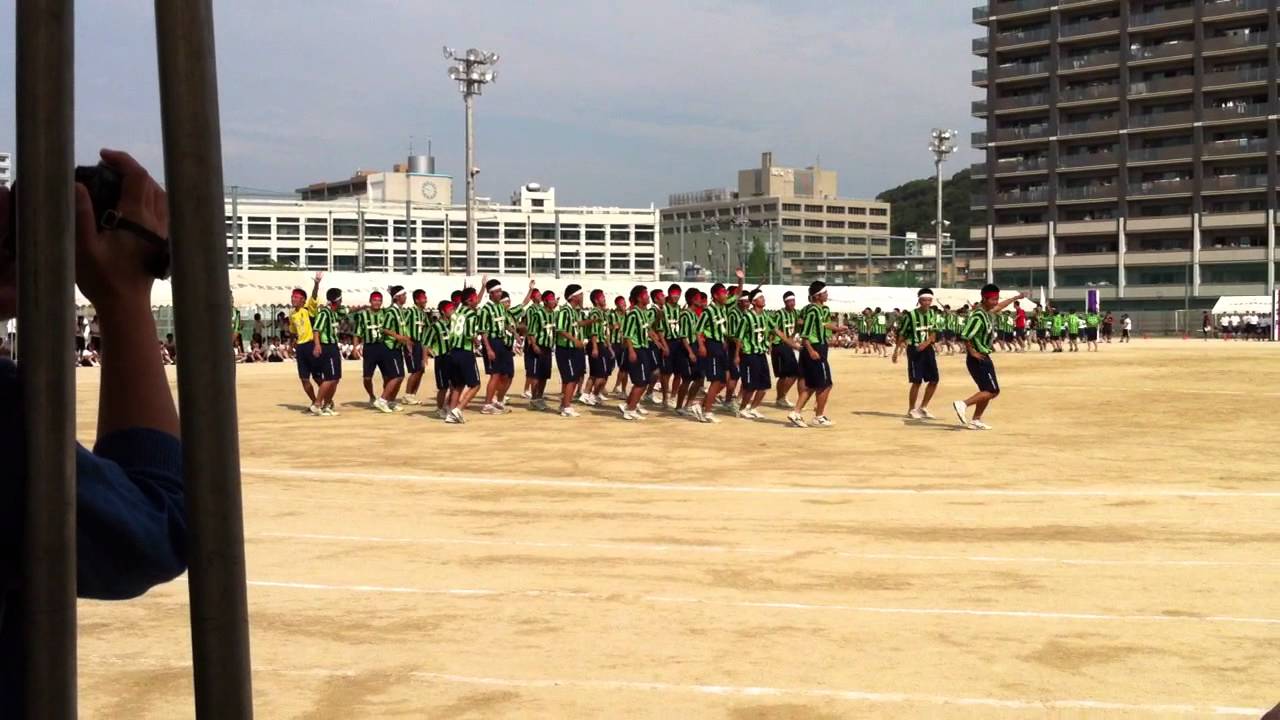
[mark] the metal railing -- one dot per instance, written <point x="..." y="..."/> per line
<point x="1162" y="187"/>
<point x="1077" y="29"/>
<point x="1016" y="6"/>
<point x="1087" y="192"/>
<point x="1017" y="197"/>
<point x="1234" y="182"/>
<point x="1236" y="77"/>
<point x="1090" y="92"/>
<point x="1242" y="146"/>
<point x="1174" y="152"/>
<point x="1021" y="69"/>
<point x="1164" y="50"/>
<point x="979" y="76"/>
<point x="1161" y="17"/>
<point x="1162" y="85"/>
<point x="1025" y="132"/>
<point x="1022" y="101"/>
<point x="1085" y="127"/>
<point x="1088" y="159"/>
<point x="1242" y="110"/>
<point x="1023" y="37"/>
<point x="1099" y="59"/>
<point x="981" y="45"/>
<point x="979" y="107"/>
<point x="1160" y="119"/>
<point x="1233" y="42"/>
<point x="1016" y="165"/>
<point x="978" y="138"/>
<point x="211" y="472"/>
<point x="1229" y="7"/>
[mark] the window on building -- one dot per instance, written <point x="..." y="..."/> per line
<point x="620" y="263"/>
<point x="345" y="262"/>
<point x="880" y="212"/>
<point x="343" y="227"/>
<point x="836" y="210"/>
<point x="879" y="242"/>
<point x="487" y="260"/>
<point x="432" y="230"/>
<point x="668" y="217"/>
<point x="837" y="240"/>
<point x="514" y="232"/>
<point x="814" y="239"/>
<point x="813" y="208"/>
<point x="544" y="231"/>
<point x="400" y="259"/>
<point x="595" y="261"/>
<point x="260" y="229"/>
<point x="433" y="260"/>
<point x="857" y="211"/>
<point x="813" y="223"/>
<point x="538" y="202"/>
<point x="879" y="226"/>
<point x="1156" y="275"/>
<point x="570" y="263"/>
<point x="287" y="228"/>
<point x="490" y="232"/>
<point x="375" y="229"/>
<point x="835" y="223"/>
<point x="457" y="262"/>
<point x="620" y="234"/>
<point x="644" y="237"/>
<point x="791" y="222"/>
<point x="544" y="265"/>
<point x="571" y="232"/>
<point x="398" y="229"/>
<point x="595" y="236"/>
<point x="292" y="257"/>
<point x="317" y="259"/>
<point x="259" y="256"/>
<point x="857" y="225"/>
<point x="791" y="238"/>
<point x="790" y="254"/>
<point x="790" y="207"/>
<point x="1233" y="273"/>
<point x="644" y="263"/>
<point x="815" y="254"/>
<point x="771" y="207"/>
<point x="515" y="263"/>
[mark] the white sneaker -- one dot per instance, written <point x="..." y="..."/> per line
<point x="569" y="412"/>
<point x="746" y="414"/>
<point x="396" y="407"/>
<point x="326" y="412"/>
<point x="709" y="418"/>
<point x="504" y="401"/>
<point x="490" y="409"/>
<point x="527" y="395"/>
<point x="682" y="412"/>
<point x="784" y="404"/>
<point x="627" y="414"/>
<point x="756" y="414"/>
<point x="823" y="421"/>
<point x="915" y="414"/>
<point x="442" y="413"/>
<point x="979" y="425"/>
<point x="641" y="411"/>
<point x="314" y="409"/>
<point x="502" y="408"/>
<point x="961" y="411"/>
<point x="330" y="407"/>
<point x="410" y="400"/>
<point x="456" y="414"/>
<point x="451" y="420"/>
<point x="696" y="412"/>
<point x="382" y="406"/>
<point x="795" y="419"/>
<point x="924" y="413"/>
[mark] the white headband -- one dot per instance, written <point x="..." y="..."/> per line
<point x="576" y="294"/>
<point x="496" y="287"/>
<point x="926" y="295"/>
<point x="402" y="292"/>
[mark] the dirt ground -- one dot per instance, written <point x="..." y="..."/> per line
<point x="1110" y="550"/>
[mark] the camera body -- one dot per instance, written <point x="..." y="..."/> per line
<point x="105" y="186"/>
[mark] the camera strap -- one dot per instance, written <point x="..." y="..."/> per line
<point x="113" y="220"/>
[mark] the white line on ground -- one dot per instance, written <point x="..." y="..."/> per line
<point x="1163" y="390"/>
<point x="719" y="690"/>
<point x="727" y="549"/>
<point x="608" y="485"/>
<point x="815" y="607"/>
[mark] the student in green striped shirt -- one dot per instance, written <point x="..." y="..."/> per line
<point x="618" y="316"/>
<point x="816" y="327"/>
<point x="668" y="376"/>
<point x="786" y="367"/>
<point x="684" y="360"/>
<point x="371" y="327"/>
<point x="756" y="331"/>
<point x="1092" y="319"/>
<point x="734" y="312"/>
<point x="464" y="380"/>
<point x="637" y="335"/>
<point x="435" y="340"/>
<point x="539" y="347"/>
<point x="495" y="317"/>
<point x="713" y="359"/>
<point x="977" y="336"/>
<point x="917" y="333"/>
<point x="328" y="363"/>
<point x="571" y="347"/>
<point x="599" y="349"/>
<point x="414" y="318"/>
<point x="529" y="318"/>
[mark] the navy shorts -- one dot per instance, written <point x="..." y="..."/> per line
<point x="385" y="360"/>
<point x="641" y="371"/>
<point x="307" y="363"/>
<point x="444" y="371"/>
<point x="755" y="372"/>
<point x="655" y="355"/>
<point x="599" y="367"/>
<point x="785" y="364"/>
<point x="664" y="361"/>
<point x="326" y="367"/>
<point x="922" y="365"/>
<point x="413" y="360"/>
<point x="1091" y="334"/>
<point x="734" y="372"/>
<point x="619" y="355"/>
<point x="983" y="373"/>
<point x="462" y="369"/>
<point x="714" y="365"/>
<point x="816" y="373"/>
<point x="537" y="365"/>
<point x="504" y="361"/>
<point x="572" y="362"/>
<point x="680" y="364"/>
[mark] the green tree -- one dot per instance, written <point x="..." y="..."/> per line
<point x="757" y="263"/>
<point x="913" y="205"/>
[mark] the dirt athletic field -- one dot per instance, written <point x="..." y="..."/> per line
<point x="1110" y="550"/>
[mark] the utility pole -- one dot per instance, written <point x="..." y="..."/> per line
<point x="235" y="225"/>
<point x="940" y="145"/>
<point x="408" y="232"/>
<point x="471" y="73"/>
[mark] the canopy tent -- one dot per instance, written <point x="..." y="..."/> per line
<point x="253" y="289"/>
<point x="1238" y="304"/>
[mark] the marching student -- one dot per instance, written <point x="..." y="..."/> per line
<point x="499" y="361"/>
<point x="464" y="379"/>
<point x="304" y="309"/>
<point x="1073" y="331"/>
<point x="571" y="356"/>
<point x="373" y="325"/>
<point x="541" y="336"/>
<point x="735" y="307"/>
<point x="713" y="358"/>
<point x="879" y="332"/>
<point x="600" y="361"/>
<point x="415" y="321"/>
<point x="917" y="332"/>
<point x="436" y="340"/>
<point x="618" y="316"/>
<point x="786" y="367"/>
<point x="1020" y="327"/>
<point x="637" y="335"/>
<point x="977" y="337"/>
<point x="669" y="376"/>
<point x="661" y="362"/>
<point x="327" y="363"/>
<point x="530" y="314"/>
<point x="756" y="329"/>
<point x="1059" y="329"/>
<point x="1092" y="319"/>
<point x="815" y="330"/>
<point x="684" y="360"/>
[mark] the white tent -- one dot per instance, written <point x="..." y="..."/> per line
<point x="1239" y="304"/>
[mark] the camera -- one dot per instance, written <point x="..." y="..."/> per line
<point x="105" y="186"/>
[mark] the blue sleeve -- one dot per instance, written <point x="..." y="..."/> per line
<point x="131" y="514"/>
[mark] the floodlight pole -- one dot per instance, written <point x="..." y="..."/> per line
<point x="940" y="145"/>
<point x="472" y="72"/>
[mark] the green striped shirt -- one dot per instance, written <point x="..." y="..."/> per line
<point x="671" y="314"/>
<point x="784" y="320"/>
<point x="1092" y="320"/>
<point x="436" y="335"/>
<point x="733" y="314"/>
<point x="753" y="331"/>
<point x="714" y="323"/>
<point x="599" y="329"/>
<point x="635" y="327"/>
<point x="813" y="323"/>
<point x="415" y="322"/>
<point x="916" y="326"/>
<point x="369" y="324"/>
<point x="977" y="330"/>
<point x="540" y="325"/>
<point x="567" y="319"/>
<point x="325" y="324"/>
<point x="689" y="320"/>
<point x="493" y="318"/>
<point x="463" y="328"/>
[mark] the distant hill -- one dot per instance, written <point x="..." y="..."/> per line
<point x="914" y="206"/>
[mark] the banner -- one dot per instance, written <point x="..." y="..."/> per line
<point x="1093" y="301"/>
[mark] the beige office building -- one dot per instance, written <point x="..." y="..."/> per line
<point x="795" y="213"/>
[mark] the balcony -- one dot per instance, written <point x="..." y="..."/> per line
<point x="1025" y="132"/>
<point x="978" y="139"/>
<point x="1158" y="18"/>
<point x="1087" y="192"/>
<point x="1160" y="86"/>
<point x="1090" y="92"/>
<point x="981" y="13"/>
<point x="979" y="108"/>
<point x="1158" y="154"/>
<point x="1161" y="52"/>
<point x="1095" y="27"/>
<point x="1228" y="148"/>
<point x="1234" y="7"/>
<point x="1019" y="102"/>
<point x="1022" y="197"/>
<point x="1092" y="60"/>
<point x="978" y="170"/>
<point x="981" y="46"/>
<point x="1087" y="127"/>
<point x="1083" y="160"/>
<point x="1228" y="43"/>
<point x="1021" y="70"/>
<point x="977" y="201"/>
<point x="1229" y="183"/>
<point x="1236" y="77"/>
<point x="1161" y="119"/>
<point x="1005" y="41"/>
<point x="1243" y="110"/>
<point x="979" y="77"/>
<point x="1161" y="187"/>
<point x="1013" y="7"/>
<point x="1010" y="166"/>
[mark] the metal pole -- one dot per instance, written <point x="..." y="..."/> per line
<point x="359" y="235"/>
<point x="46" y="299"/>
<point x="408" y="230"/>
<point x="939" y="226"/>
<point x="557" y="231"/>
<point x="211" y="452"/>
<point x="867" y="240"/>
<point x="235" y="224"/>
<point x="682" y="226"/>
<point x="468" y="102"/>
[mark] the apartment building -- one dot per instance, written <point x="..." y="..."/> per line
<point x="6" y="169"/>
<point x="1130" y="146"/>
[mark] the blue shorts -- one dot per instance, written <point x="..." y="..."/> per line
<point x="323" y="368"/>
<point x="681" y="367"/>
<point x="413" y="360"/>
<point x="713" y="366"/>
<point x="388" y="361"/>
<point x="462" y="369"/>
<point x="658" y="364"/>
<point x="504" y="361"/>
<point x="816" y="373"/>
<point x="755" y="372"/>
<point x="537" y="365"/>
<point x="572" y="362"/>
<point x="983" y="373"/>
<point x="641" y="371"/>
<point x="922" y="366"/>
<point x="600" y="366"/>
<point x="785" y="364"/>
<point x="444" y="372"/>
<point x="734" y="372"/>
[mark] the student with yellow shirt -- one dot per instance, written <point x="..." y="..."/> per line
<point x="306" y="351"/>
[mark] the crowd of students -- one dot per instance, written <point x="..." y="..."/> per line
<point x="1237" y="326"/>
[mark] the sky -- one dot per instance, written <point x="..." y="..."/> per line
<point x="611" y="103"/>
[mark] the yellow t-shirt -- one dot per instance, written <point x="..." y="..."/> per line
<point x="300" y="321"/>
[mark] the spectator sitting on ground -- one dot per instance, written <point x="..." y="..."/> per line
<point x="165" y="357"/>
<point x="130" y="517"/>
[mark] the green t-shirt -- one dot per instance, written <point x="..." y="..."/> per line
<point x="369" y="324"/>
<point x="599" y="330"/>
<point x="714" y="323"/>
<point x="567" y="320"/>
<point x="754" y="329"/>
<point x="915" y="326"/>
<point x="671" y="314"/>
<point x="1059" y="322"/>
<point x="325" y="324"/>
<point x="464" y="325"/>
<point x="436" y="336"/>
<point x="635" y="327"/>
<point x="1073" y="324"/>
<point x="1092" y="320"/>
<point x="494" y="318"/>
<point x="813" y="323"/>
<point x="977" y="330"/>
<point x="541" y="325"/>
<point x="784" y="320"/>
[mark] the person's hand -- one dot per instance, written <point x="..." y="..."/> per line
<point x="8" y="274"/>
<point x="579" y="343"/>
<point x="631" y="356"/>
<point x="895" y="358"/>
<point x="110" y="265"/>
<point x="595" y="352"/>
<point x="692" y="357"/>
<point x="319" y="276"/>
<point x="315" y="350"/>
<point x="739" y="274"/>
<point x="813" y="355"/>
<point x="702" y="351"/>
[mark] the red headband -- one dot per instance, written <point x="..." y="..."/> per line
<point x="375" y="294"/>
<point x="991" y="295"/>
<point x="299" y="293"/>
<point x="449" y="306"/>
